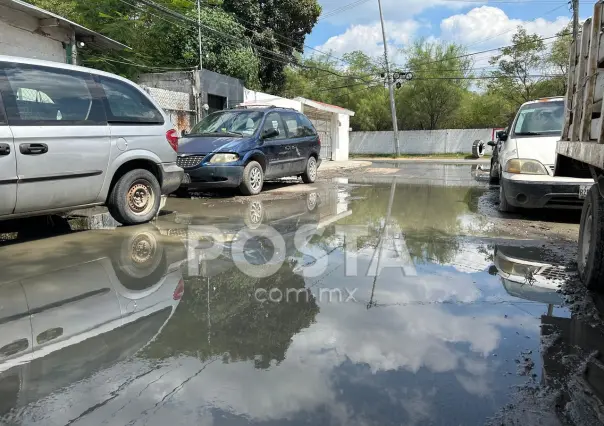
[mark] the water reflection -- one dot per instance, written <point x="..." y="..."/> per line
<point x="431" y="330"/>
<point x="79" y="303"/>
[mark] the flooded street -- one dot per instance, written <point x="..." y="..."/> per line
<point x="395" y="296"/>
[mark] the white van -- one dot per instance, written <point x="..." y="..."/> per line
<point x="525" y="157"/>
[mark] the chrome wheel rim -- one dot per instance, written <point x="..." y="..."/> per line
<point x="312" y="168"/>
<point x="256" y="212"/>
<point x="255" y="178"/>
<point x="143" y="248"/>
<point x="140" y="198"/>
<point x="311" y="202"/>
<point x="586" y="243"/>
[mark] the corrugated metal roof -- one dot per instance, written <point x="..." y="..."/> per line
<point x="92" y="38"/>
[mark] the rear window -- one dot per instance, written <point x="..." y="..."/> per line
<point x="540" y="119"/>
<point x="126" y="104"/>
<point x="307" y="128"/>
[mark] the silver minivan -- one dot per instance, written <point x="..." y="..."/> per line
<point x="74" y="137"/>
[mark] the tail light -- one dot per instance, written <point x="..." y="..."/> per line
<point x="172" y="138"/>
<point x="319" y="140"/>
<point x="180" y="290"/>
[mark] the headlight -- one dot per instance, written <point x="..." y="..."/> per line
<point x="224" y="158"/>
<point x="527" y="167"/>
<point x="513" y="268"/>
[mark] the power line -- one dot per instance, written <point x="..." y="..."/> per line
<point x="282" y="37"/>
<point x="486" y="51"/>
<point x="190" y="21"/>
<point x="512" y="29"/>
<point x="341" y="9"/>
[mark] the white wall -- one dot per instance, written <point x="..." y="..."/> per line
<point x="340" y="151"/>
<point x="17" y="37"/>
<point x="419" y="141"/>
<point x="251" y="97"/>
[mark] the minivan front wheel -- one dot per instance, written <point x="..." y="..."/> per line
<point x="253" y="179"/>
<point x="135" y="198"/>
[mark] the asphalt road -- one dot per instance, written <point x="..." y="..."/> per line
<point x="394" y="294"/>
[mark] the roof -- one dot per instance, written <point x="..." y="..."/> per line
<point x="84" y="34"/>
<point x="324" y="107"/>
<point x="549" y="99"/>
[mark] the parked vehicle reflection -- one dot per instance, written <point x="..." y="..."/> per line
<point x="95" y="298"/>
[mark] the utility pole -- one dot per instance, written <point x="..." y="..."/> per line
<point x="198" y="80"/>
<point x="397" y="149"/>
<point x="199" y="34"/>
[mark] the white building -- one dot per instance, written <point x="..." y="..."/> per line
<point x="331" y="121"/>
<point x="30" y="32"/>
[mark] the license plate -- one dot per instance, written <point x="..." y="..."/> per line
<point x="186" y="178"/>
<point x="583" y="190"/>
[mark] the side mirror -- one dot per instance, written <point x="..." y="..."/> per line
<point x="270" y="133"/>
<point x="502" y="135"/>
<point x="492" y="143"/>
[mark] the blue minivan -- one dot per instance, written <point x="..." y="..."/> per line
<point x="240" y="148"/>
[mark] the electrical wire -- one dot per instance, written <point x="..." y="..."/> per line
<point x="341" y="9"/>
<point x="241" y="21"/>
<point x="512" y="29"/>
<point x="192" y="22"/>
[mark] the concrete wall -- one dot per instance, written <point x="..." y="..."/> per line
<point x="20" y="35"/>
<point x="418" y="141"/>
<point x="172" y="81"/>
<point x="221" y="85"/>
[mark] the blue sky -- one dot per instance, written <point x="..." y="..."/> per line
<point x="480" y="25"/>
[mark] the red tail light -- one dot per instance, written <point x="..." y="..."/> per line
<point x="319" y="140"/>
<point x="172" y="138"/>
<point x="180" y="290"/>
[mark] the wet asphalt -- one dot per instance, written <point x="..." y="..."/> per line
<point x="397" y="295"/>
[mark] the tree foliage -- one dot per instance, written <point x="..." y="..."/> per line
<point x="235" y="35"/>
<point x="446" y="91"/>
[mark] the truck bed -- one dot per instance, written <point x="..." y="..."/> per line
<point x="591" y="153"/>
<point x="583" y="133"/>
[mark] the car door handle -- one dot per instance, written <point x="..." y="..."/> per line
<point x="33" y="148"/>
<point x="4" y="149"/>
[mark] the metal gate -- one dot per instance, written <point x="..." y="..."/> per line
<point x="323" y="126"/>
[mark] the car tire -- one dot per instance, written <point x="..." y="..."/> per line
<point x="140" y="263"/>
<point x="253" y="179"/>
<point x="591" y="241"/>
<point x="493" y="177"/>
<point x="504" y="206"/>
<point x="254" y="215"/>
<point x="310" y="174"/>
<point x="135" y="198"/>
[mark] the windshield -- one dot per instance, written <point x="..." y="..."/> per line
<point x="229" y="123"/>
<point x="545" y="118"/>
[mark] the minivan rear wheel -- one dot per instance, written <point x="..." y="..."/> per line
<point x="310" y="175"/>
<point x="135" y="198"/>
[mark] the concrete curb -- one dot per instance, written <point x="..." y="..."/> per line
<point x="330" y="166"/>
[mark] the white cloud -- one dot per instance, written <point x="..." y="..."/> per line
<point x="487" y="27"/>
<point x="368" y="38"/>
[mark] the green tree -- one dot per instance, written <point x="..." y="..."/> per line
<point x="557" y="60"/>
<point x="517" y="66"/>
<point x="440" y="72"/>
<point x="278" y="26"/>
